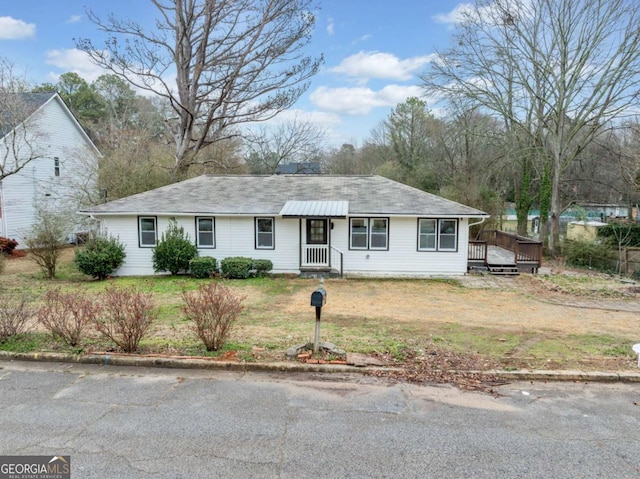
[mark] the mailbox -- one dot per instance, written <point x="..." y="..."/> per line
<point x="317" y="298"/>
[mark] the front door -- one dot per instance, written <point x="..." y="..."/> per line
<point x="316" y="247"/>
<point x="316" y="231"/>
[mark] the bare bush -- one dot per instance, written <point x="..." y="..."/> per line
<point x="67" y="315"/>
<point x="15" y="313"/>
<point x="126" y="316"/>
<point x="213" y="309"/>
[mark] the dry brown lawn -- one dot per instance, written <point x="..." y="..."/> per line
<point x="566" y="319"/>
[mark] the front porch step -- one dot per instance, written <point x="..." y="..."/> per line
<point x="503" y="269"/>
<point x="319" y="273"/>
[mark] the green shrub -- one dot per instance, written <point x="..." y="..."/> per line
<point x="262" y="266"/>
<point x="174" y="251"/>
<point x="614" y="231"/>
<point x="203" y="267"/>
<point x="236" y="267"/>
<point x="587" y="254"/>
<point x="100" y="257"/>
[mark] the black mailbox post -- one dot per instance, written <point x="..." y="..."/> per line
<point x="318" y="299"/>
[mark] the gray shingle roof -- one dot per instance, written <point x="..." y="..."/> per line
<point x="266" y="195"/>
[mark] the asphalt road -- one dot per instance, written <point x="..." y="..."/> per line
<point x="167" y="423"/>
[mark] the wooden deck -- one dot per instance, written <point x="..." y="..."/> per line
<point x="503" y="253"/>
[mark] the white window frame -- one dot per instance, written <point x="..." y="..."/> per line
<point x="372" y="234"/>
<point x="258" y="233"/>
<point x="212" y="232"/>
<point x="365" y="234"/>
<point x="434" y="234"/>
<point x="141" y="243"/>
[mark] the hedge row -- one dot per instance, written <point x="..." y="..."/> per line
<point x="235" y="267"/>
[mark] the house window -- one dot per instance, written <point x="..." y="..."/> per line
<point x="205" y="232"/>
<point x="359" y="233"/>
<point x="379" y="233"/>
<point x="369" y="233"/>
<point x="437" y="235"/>
<point x="448" y="235"/>
<point x="264" y="233"/>
<point x="147" y="231"/>
<point x="56" y="166"/>
<point x="426" y="235"/>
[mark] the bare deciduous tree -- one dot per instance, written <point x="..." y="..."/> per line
<point x="19" y="138"/>
<point x="561" y="70"/>
<point x="294" y="141"/>
<point x="234" y="61"/>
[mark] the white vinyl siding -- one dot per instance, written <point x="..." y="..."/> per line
<point x="52" y="134"/>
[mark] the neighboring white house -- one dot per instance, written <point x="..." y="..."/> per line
<point x="363" y="225"/>
<point x="58" y="163"/>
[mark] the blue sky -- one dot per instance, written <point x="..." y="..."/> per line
<point x="374" y="51"/>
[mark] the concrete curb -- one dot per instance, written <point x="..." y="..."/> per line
<point x="119" y="359"/>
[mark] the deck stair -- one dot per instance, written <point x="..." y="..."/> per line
<point x="503" y="269"/>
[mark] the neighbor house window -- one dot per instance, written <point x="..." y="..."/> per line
<point x="56" y="166"/>
<point x="205" y="232"/>
<point x="264" y="233"/>
<point x="369" y="233"/>
<point x="147" y="231"/>
<point x="437" y="235"/>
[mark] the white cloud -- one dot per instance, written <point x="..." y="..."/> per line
<point x="489" y="13"/>
<point x="12" y="29"/>
<point x="360" y="100"/>
<point x="73" y="60"/>
<point x="74" y="19"/>
<point x="456" y="15"/>
<point x="330" y="27"/>
<point x="366" y="65"/>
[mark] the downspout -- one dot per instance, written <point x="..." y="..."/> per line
<point x="482" y="220"/>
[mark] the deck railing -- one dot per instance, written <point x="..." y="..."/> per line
<point x="525" y="250"/>
<point x="477" y="251"/>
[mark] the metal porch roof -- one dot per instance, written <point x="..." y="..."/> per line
<point x="315" y="208"/>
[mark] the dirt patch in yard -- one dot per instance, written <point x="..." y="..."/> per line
<point x="524" y="301"/>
